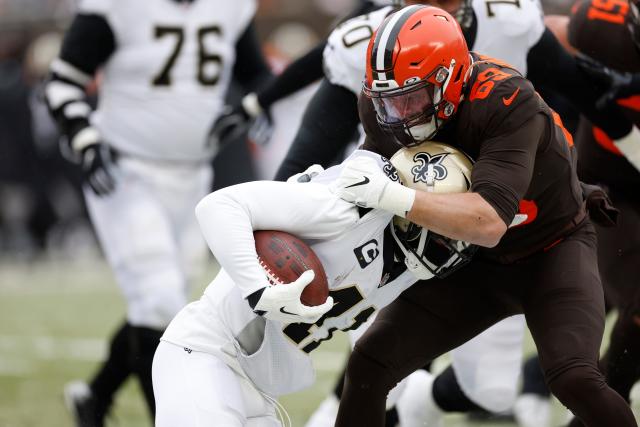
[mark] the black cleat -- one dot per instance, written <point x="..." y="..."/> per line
<point x="82" y="405"/>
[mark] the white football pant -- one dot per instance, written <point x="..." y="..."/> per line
<point x="196" y="389"/>
<point x="488" y="366"/>
<point x="150" y="236"/>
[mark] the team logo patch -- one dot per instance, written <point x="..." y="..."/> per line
<point x="390" y="170"/>
<point x="430" y="167"/>
<point x="367" y="253"/>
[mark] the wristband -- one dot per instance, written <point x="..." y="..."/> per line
<point x="397" y="199"/>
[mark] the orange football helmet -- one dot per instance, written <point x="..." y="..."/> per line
<point x="417" y="64"/>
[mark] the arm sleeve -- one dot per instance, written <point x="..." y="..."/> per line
<point x="504" y="168"/>
<point x="549" y="64"/>
<point x="87" y="45"/>
<point x="328" y="124"/>
<point x="228" y="217"/>
<point x="250" y="69"/>
<point x="299" y="74"/>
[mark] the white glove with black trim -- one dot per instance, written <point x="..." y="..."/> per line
<point x="248" y="117"/>
<point x="629" y="146"/>
<point x="282" y="302"/>
<point x="96" y="160"/>
<point x="363" y="182"/>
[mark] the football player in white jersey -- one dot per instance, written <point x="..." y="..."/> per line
<point x="225" y="358"/>
<point x="163" y="68"/>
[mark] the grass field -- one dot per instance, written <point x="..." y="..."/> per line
<point x="54" y="321"/>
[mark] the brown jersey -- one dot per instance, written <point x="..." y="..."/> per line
<point x="599" y="29"/>
<point x="524" y="158"/>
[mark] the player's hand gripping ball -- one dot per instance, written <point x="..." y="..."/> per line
<point x="293" y="296"/>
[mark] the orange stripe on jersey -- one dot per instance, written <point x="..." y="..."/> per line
<point x="604" y="141"/>
<point x="633" y="102"/>
<point x="558" y="121"/>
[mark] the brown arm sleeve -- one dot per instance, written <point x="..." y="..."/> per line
<point x="503" y="170"/>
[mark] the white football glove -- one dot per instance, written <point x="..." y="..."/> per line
<point x="363" y="182"/>
<point x="629" y="146"/>
<point x="307" y="175"/>
<point x="282" y="302"/>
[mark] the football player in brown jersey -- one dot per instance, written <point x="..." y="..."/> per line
<point x="593" y="29"/>
<point x="525" y="209"/>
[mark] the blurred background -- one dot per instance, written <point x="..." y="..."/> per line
<point x="58" y="299"/>
<point x="41" y="211"/>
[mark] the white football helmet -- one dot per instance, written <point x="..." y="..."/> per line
<point x="439" y="168"/>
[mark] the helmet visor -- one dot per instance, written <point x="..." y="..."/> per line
<point x="400" y="106"/>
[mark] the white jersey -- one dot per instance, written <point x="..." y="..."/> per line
<point x="345" y="55"/>
<point x="274" y="355"/>
<point x="506" y="30"/>
<point x="165" y="84"/>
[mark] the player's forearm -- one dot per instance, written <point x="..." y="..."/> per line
<point x="463" y="216"/>
<point x="328" y="125"/>
<point x="298" y="75"/>
<point x="250" y="69"/>
<point x="549" y="64"/>
<point x="226" y="226"/>
<point x="88" y="43"/>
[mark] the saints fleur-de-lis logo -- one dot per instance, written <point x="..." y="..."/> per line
<point x="430" y="167"/>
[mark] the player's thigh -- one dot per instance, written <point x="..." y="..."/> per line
<point x="195" y="389"/>
<point x="429" y="319"/>
<point x="138" y="238"/>
<point x="186" y="187"/>
<point x="619" y="254"/>
<point x="564" y="306"/>
<point x="488" y="366"/>
<point x="131" y="223"/>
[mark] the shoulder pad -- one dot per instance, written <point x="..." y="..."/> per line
<point x="501" y="99"/>
<point x="346" y="50"/>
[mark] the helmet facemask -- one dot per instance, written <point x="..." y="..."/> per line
<point x="428" y="254"/>
<point x="416" y="111"/>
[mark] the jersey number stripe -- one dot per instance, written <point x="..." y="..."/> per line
<point x="204" y="58"/>
<point x="343" y="299"/>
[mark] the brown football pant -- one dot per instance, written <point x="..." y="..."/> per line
<point x="559" y="292"/>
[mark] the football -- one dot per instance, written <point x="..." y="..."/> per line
<point x="284" y="258"/>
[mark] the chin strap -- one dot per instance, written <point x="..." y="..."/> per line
<point x="411" y="261"/>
